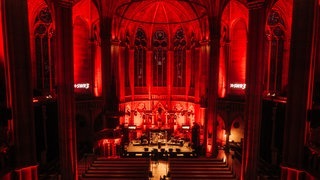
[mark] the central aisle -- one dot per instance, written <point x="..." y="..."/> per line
<point x="158" y="169"/>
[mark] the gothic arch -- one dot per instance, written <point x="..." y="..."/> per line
<point x="237" y="129"/>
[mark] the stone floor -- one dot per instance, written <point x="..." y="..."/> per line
<point x="159" y="169"/>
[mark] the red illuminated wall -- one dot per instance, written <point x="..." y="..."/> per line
<point x="2" y="68"/>
<point x="237" y="68"/>
<point x="82" y="51"/>
<point x="1" y="44"/>
<point x="159" y="16"/>
<point x="234" y="47"/>
<point x="87" y="53"/>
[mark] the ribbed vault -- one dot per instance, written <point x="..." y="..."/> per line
<point x="161" y="11"/>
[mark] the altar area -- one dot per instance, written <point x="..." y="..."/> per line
<point x="160" y="143"/>
<point x="164" y="151"/>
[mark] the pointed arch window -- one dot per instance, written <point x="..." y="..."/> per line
<point x="276" y="49"/>
<point x="140" y="46"/>
<point x="160" y="43"/>
<point x="179" y="59"/>
<point x="44" y="40"/>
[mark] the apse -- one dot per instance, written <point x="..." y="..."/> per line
<point x="160" y="64"/>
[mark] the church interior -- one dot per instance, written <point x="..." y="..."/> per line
<point x="160" y="89"/>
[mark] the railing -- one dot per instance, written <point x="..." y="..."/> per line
<point x="230" y="105"/>
<point x="85" y="162"/>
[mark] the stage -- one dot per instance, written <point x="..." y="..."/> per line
<point x="162" y="150"/>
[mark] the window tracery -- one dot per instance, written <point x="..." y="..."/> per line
<point x="179" y="59"/>
<point x="44" y="39"/>
<point x="276" y="39"/>
<point x="160" y="43"/>
<point x="140" y="46"/>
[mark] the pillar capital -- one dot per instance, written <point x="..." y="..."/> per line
<point x="255" y="4"/>
<point x="115" y="42"/>
<point x="65" y="3"/>
<point x="204" y="42"/>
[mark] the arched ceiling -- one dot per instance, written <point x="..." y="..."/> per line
<point x="161" y="11"/>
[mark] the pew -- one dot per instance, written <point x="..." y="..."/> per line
<point x="199" y="169"/>
<point x="118" y="169"/>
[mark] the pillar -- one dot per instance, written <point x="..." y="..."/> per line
<point x="65" y="90"/>
<point x="18" y="65"/>
<point x="299" y="86"/>
<point x="106" y="62"/>
<point x="254" y="89"/>
<point x="213" y="81"/>
<point x="273" y="148"/>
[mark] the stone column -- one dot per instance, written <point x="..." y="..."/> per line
<point x="274" y="150"/>
<point x="65" y="90"/>
<point x="299" y="86"/>
<point x="213" y="80"/>
<point x="106" y="62"/>
<point x="254" y="89"/>
<point x="115" y="46"/>
<point x="18" y="65"/>
<point x="203" y="94"/>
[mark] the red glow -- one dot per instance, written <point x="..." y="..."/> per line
<point x="108" y="146"/>
<point x="7" y="176"/>
<point x="237" y="134"/>
<point x="238" y="56"/>
<point x="1" y="42"/>
<point x="82" y="73"/>
<point x="87" y="55"/>
<point x="145" y="115"/>
<point x="27" y="173"/>
<point x="234" y="37"/>
<point x="161" y="12"/>
<point x="221" y="138"/>
<point x="97" y="72"/>
<point x="222" y="74"/>
<point x="292" y="173"/>
<point x="209" y="137"/>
